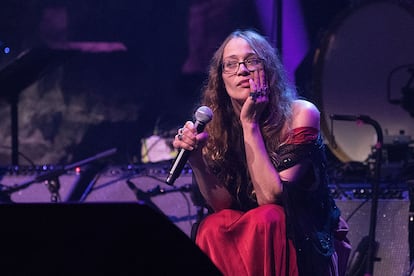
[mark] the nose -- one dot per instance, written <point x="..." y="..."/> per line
<point x="242" y="70"/>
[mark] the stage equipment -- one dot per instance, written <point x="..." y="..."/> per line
<point x="146" y="184"/>
<point x="351" y="67"/>
<point x="350" y="72"/>
<point x="120" y="184"/>
<point x="392" y="248"/>
<point x="376" y="178"/>
<point x="51" y="179"/>
<point x="33" y="64"/>
<point x="157" y="148"/>
<point x="407" y="99"/>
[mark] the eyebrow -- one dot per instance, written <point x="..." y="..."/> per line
<point x="237" y="57"/>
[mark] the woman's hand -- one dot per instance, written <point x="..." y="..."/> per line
<point x="187" y="138"/>
<point x="254" y="105"/>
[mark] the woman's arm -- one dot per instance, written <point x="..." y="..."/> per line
<point x="266" y="180"/>
<point x="214" y="192"/>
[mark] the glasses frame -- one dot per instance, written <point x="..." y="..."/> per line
<point x="244" y="62"/>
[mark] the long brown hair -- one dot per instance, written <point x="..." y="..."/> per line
<point x="224" y="151"/>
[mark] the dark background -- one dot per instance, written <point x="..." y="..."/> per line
<point x="93" y="102"/>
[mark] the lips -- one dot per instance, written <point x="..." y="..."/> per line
<point x="244" y="83"/>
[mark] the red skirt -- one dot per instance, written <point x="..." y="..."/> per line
<point x="248" y="243"/>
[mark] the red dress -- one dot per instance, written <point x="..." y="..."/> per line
<point x="248" y="244"/>
<point x="254" y="242"/>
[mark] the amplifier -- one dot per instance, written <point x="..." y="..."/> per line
<point x="113" y="184"/>
<point x="392" y="229"/>
<point x="148" y="186"/>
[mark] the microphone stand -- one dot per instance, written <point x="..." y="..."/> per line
<point x="369" y="269"/>
<point x="145" y="197"/>
<point x="52" y="177"/>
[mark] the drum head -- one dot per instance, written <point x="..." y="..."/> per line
<point x="355" y="74"/>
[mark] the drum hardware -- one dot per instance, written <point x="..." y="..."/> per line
<point x="391" y="172"/>
<point x="407" y="100"/>
<point x="397" y="148"/>
<point x="397" y="154"/>
<point x="372" y="243"/>
<point x="51" y="178"/>
<point x="349" y="65"/>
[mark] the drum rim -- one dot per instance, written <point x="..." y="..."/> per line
<point x="318" y="64"/>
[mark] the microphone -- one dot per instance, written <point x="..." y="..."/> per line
<point x="203" y="115"/>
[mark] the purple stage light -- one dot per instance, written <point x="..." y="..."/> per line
<point x="294" y="36"/>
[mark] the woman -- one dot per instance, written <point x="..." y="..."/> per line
<point x="260" y="160"/>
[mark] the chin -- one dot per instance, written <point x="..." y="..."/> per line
<point x="240" y="94"/>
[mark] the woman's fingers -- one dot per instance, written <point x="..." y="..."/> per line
<point x="258" y="87"/>
<point x="185" y="137"/>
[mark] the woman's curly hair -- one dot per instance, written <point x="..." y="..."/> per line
<point x="224" y="151"/>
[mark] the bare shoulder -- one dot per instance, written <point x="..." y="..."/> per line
<point x="305" y="114"/>
<point x="304" y="106"/>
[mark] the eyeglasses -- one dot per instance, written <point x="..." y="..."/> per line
<point x="232" y="66"/>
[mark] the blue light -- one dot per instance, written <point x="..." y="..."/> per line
<point x="6" y="50"/>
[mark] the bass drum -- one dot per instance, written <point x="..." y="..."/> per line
<point x="361" y="66"/>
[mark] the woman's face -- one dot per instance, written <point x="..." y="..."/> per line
<point x="235" y="73"/>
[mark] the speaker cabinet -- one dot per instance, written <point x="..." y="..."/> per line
<point x="149" y="187"/>
<point x="115" y="184"/>
<point x="95" y="239"/>
<point x="37" y="192"/>
<point x="391" y="232"/>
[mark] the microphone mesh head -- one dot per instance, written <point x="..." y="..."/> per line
<point x="204" y="114"/>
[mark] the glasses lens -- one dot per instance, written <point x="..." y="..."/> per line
<point x="231" y="66"/>
<point x="253" y="64"/>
